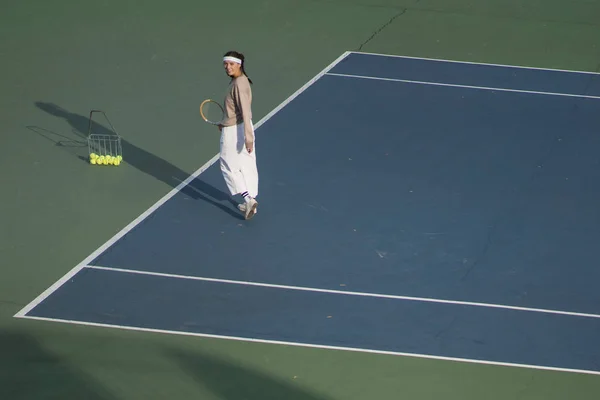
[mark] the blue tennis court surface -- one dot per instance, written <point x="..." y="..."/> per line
<point x="410" y="206"/>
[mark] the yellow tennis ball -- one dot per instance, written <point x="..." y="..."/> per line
<point x="93" y="155"/>
<point x="117" y="161"/>
<point x="92" y="161"/>
<point x="120" y="158"/>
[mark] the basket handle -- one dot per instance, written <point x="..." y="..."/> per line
<point x="105" y="116"/>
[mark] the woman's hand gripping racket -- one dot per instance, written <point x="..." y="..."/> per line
<point x="212" y="112"/>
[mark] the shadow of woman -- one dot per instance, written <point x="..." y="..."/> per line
<point x="146" y="161"/>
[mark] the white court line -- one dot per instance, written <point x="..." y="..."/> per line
<point x="22" y="313"/>
<point x="476" y="63"/>
<point x="321" y="346"/>
<point x="461" y="86"/>
<point x="348" y="293"/>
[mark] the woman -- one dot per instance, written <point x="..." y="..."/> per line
<point x="238" y="150"/>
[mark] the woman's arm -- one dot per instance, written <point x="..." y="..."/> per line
<point x="244" y="101"/>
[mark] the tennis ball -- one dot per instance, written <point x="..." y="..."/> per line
<point x="93" y="155"/>
<point x="92" y="161"/>
<point x="117" y="161"/>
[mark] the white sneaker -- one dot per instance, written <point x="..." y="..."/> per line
<point x="250" y="211"/>
<point x="242" y="208"/>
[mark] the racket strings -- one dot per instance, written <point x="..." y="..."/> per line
<point x="212" y="111"/>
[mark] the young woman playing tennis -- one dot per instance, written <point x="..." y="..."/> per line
<point x="238" y="150"/>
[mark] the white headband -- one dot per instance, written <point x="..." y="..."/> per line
<point x="234" y="59"/>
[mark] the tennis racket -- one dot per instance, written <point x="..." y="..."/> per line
<point x="212" y="112"/>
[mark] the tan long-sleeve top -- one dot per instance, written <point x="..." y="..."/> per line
<point x="238" y="105"/>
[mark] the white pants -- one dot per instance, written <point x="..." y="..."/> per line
<point x="237" y="165"/>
